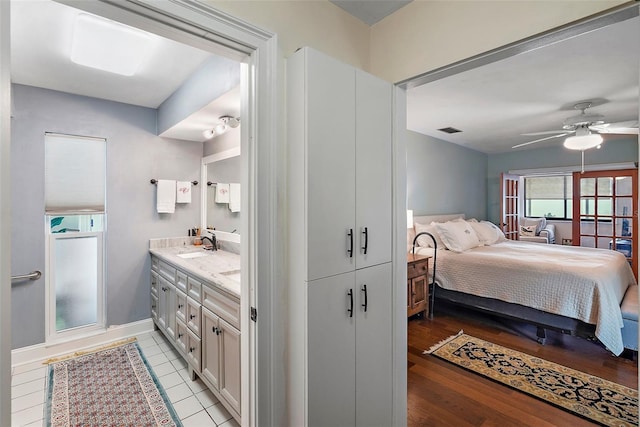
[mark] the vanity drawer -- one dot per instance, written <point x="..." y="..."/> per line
<point x="194" y="289"/>
<point x="154" y="307"/>
<point x="181" y="306"/>
<point x="181" y="281"/>
<point x="181" y="336"/>
<point x="167" y="271"/>
<point x="193" y="316"/>
<point x="193" y="351"/>
<point x="221" y="305"/>
<point x="154" y="263"/>
<point x="154" y="284"/>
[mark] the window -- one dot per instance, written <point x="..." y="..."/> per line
<point x="75" y="222"/>
<point x="548" y="196"/>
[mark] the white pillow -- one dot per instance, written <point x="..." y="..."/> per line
<point x="527" y="230"/>
<point x="425" y="240"/>
<point x="539" y="223"/>
<point x="457" y="236"/>
<point x="488" y="233"/>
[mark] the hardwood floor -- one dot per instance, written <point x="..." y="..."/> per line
<point x="443" y="394"/>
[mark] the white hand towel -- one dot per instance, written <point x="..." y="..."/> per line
<point x="234" y="197"/>
<point x="222" y="193"/>
<point x="183" y="189"/>
<point x="166" y="196"/>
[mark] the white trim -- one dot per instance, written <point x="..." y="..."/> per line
<point x="40" y="352"/>
<point x="564" y="170"/>
<point x="399" y="252"/>
<point x="5" y="214"/>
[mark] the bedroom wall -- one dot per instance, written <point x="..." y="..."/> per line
<point x="134" y="156"/>
<point x="445" y="178"/>
<point x="618" y="151"/>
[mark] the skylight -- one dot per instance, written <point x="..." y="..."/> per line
<point x="109" y="46"/>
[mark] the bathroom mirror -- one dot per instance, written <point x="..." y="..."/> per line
<point x="221" y="172"/>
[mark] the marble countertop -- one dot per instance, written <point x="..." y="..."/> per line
<point x="218" y="267"/>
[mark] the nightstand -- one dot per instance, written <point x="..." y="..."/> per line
<point x="417" y="284"/>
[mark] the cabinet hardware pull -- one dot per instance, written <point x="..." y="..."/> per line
<point x="366" y="240"/>
<point x="192" y="316"/>
<point x="218" y="331"/>
<point x="191" y="349"/>
<point x="180" y="306"/>
<point x="180" y="335"/>
<point x="350" y="310"/>
<point x="213" y="329"/>
<point x="164" y="289"/>
<point x="153" y="306"/>
<point x="366" y="302"/>
<point x="350" y="250"/>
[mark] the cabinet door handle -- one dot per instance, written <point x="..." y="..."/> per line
<point x="350" y="310"/>
<point x="366" y="240"/>
<point x="218" y="331"/>
<point x="191" y="349"/>
<point x="350" y="250"/>
<point x="180" y="306"/>
<point x="192" y="316"/>
<point x="164" y="289"/>
<point x="366" y="299"/>
<point x="180" y="335"/>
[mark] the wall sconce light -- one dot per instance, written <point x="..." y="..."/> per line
<point x="226" y="123"/>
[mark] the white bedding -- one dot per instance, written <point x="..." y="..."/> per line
<point x="581" y="283"/>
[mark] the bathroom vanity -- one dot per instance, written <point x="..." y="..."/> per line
<point x="195" y="302"/>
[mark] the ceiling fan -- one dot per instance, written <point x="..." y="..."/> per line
<point x="584" y="125"/>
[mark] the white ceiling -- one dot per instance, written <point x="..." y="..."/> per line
<point x="41" y="32"/>
<point x="533" y="91"/>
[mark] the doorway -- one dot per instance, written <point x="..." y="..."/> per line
<point x="257" y="49"/>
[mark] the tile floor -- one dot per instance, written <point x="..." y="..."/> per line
<point x="194" y="404"/>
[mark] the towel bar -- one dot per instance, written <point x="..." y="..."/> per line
<point x="155" y="181"/>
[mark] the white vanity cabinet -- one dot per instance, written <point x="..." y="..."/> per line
<point x="203" y="324"/>
<point x="340" y="227"/>
<point x="221" y="357"/>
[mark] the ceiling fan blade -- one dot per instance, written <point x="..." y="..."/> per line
<point x="625" y="128"/>
<point x="541" y="139"/>
<point x="546" y="132"/>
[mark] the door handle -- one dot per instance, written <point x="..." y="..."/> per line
<point x="366" y="239"/>
<point x="350" y="250"/>
<point x="350" y="309"/>
<point x="366" y="299"/>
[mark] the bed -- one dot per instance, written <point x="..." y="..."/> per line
<point x="571" y="289"/>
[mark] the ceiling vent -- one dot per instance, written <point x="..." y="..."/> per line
<point x="449" y="130"/>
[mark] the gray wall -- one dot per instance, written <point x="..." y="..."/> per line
<point x="445" y="178"/>
<point x="613" y="151"/>
<point x="215" y="77"/>
<point x="134" y="156"/>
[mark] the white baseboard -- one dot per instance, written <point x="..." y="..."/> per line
<point x="40" y="352"/>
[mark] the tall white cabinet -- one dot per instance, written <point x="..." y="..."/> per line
<point x="340" y="232"/>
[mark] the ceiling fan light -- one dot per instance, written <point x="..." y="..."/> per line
<point x="583" y="142"/>
<point x="221" y="128"/>
<point x="209" y="133"/>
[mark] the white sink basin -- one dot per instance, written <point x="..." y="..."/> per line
<point x="190" y="255"/>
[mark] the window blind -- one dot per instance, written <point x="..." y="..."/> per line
<point x="75" y="170"/>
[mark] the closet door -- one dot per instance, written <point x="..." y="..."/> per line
<point x="373" y="169"/>
<point x="330" y="120"/>
<point x="374" y="369"/>
<point x="331" y="351"/>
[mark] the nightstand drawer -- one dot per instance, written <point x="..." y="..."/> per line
<point x="417" y="269"/>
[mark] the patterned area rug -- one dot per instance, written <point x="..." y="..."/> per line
<point x="594" y="398"/>
<point x="110" y="387"/>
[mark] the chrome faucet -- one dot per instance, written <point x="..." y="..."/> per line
<point x="212" y="239"/>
